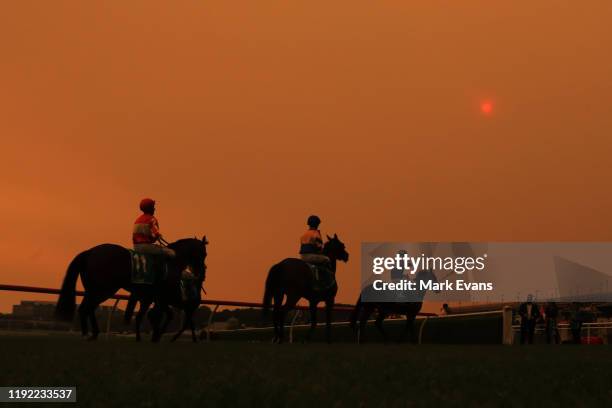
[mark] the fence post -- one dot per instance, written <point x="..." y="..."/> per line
<point x="110" y="317"/>
<point x="588" y="333"/>
<point x="507" y="332"/>
<point x="210" y="320"/>
<point x="295" y="316"/>
<point x="420" y="340"/>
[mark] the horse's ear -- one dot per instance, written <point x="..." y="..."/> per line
<point x="205" y="240"/>
<point x="328" y="237"/>
<point x="335" y="236"/>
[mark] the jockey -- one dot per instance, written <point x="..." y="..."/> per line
<point x="146" y="232"/>
<point x="311" y="243"/>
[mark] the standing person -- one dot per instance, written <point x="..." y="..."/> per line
<point x="551" y="312"/>
<point x="576" y="321"/>
<point x="529" y="313"/>
<point x="146" y="231"/>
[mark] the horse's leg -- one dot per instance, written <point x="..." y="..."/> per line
<point x="313" y="319"/>
<point x="83" y="315"/>
<point x="142" y="311"/>
<point x="91" y="311"/>
<point x="410" y="319"/>
<point x="189" y="314"/>
<point x="289" y="305"/>
<point x="277" y="316"/>
<point x="329" y="309"/>
<point x="275" y="323"/>
<point x="154" y="319"/>
<point x="363" y="320"/>
<point x="183" y="327"/>
<point x="169" y="316"/>
<point x="379" y="323"/>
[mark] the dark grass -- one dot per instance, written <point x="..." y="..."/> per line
<point x="472" y="329"/>
<point x="120" y="372"/>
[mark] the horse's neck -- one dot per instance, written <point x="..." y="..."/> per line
<point x="332" y="261"/>
<point x="332" y="258"/>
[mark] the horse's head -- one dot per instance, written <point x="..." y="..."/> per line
<point x="334" y="248"/>
<point x="191" y="252"/>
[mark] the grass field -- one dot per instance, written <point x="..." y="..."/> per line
<point x="120" y="372"/>
<point x="472" y="329"/>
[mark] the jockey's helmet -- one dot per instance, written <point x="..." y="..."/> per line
<point x="147" y="204"/>
<point x="313" y="221"/>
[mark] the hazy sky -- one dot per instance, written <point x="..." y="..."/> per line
<point x="241" y="118"/>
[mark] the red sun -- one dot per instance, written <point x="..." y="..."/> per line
<point x="486" y="107"/>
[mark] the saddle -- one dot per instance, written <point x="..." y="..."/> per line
<point x="147" y="269"/>
<point x="323" y="278"/>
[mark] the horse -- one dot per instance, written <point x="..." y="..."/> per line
<point x="410" y="309"/>
<point x="106" y="268"/>
<point x="188" y="306"/>
<point x="294" y="279"/>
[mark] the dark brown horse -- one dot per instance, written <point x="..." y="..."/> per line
<point x="106" y="268"/>
<point x="188" y="305"/>
<point x="410" y="309"/>
<point x="292" y="278"/>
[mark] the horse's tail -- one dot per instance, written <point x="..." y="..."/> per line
<point x="270" y="285"/>
<point x="355" y="313"/>
<point x="66" y="304"/>
<point x="129" y="310"/>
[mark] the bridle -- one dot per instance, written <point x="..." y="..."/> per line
<point x="165" y="244"/>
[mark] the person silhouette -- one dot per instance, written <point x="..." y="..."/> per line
<point x="145" y="233"/>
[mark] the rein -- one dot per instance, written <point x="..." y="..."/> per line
<point x="166" y="244"/>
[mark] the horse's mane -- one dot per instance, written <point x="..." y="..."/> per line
<point x="329" y="241"/>
<point x="181" y="242"/>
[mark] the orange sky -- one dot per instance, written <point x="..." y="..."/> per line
<point x="241" y="118"/>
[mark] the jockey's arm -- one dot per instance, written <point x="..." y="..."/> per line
<point x="317" y="241"/>
<point x="155" y="230"/>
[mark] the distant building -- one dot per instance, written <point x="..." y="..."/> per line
<point x="40" y="315"/>
<point x="34" y="310"/>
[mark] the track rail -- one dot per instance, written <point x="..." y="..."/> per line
<point x="208" y="302"/>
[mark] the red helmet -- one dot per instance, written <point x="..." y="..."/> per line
<point x="147" y="204"/>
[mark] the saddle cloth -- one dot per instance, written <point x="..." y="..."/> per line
<point x="323" y="278"/>
<point x="146" y="268"/>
